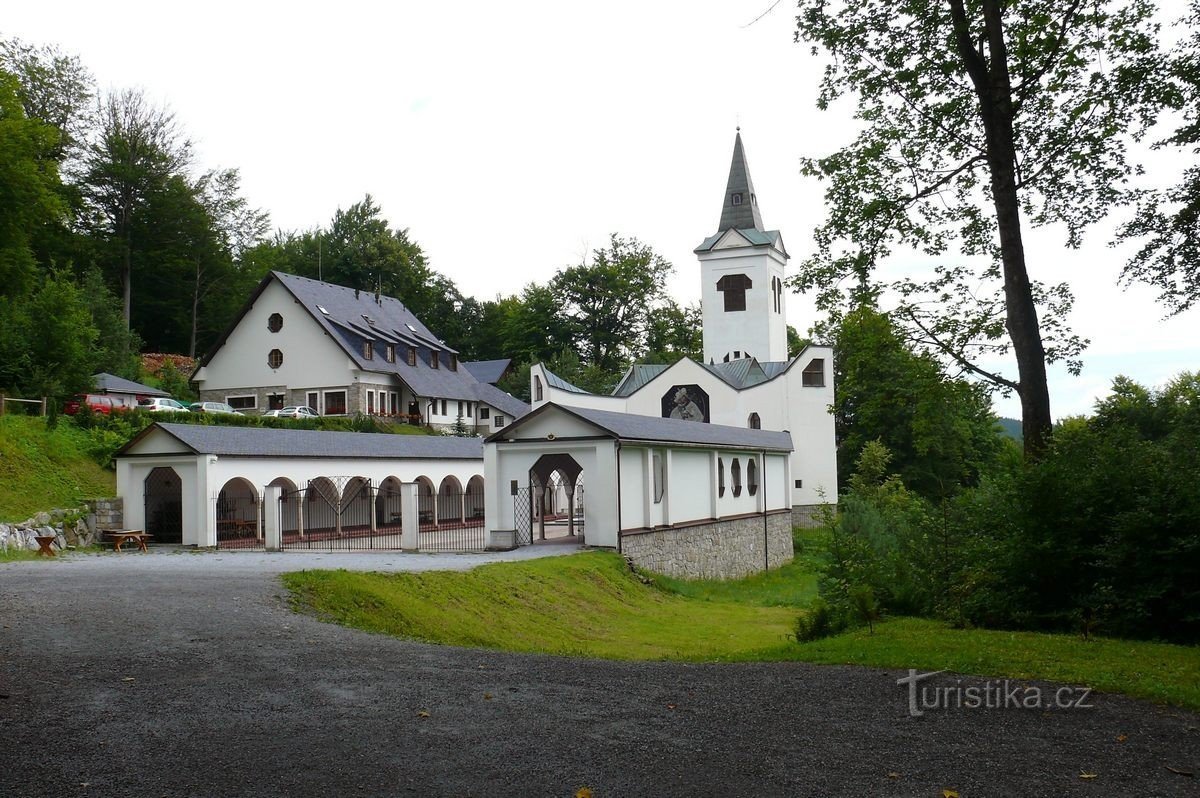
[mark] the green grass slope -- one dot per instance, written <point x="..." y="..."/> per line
<point x="590" y="604"/>
<point x="586" y="604"/>
<point x="42" y="468"/>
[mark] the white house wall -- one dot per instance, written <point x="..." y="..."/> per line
<point x="689" y="485"/>
<point x="743" y="330"/>
<point x="312" y="360"/>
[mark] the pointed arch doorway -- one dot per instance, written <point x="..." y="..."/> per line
<point x="556" y="483"/>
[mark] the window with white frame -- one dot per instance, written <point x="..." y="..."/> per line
<point x="335" y="403"/>
<point x="658" y="467"/>
<point x="483" y="413"/>
<point x="752" y="476"/>
<point x="735" y="472"/>
<point x="720" y="477"/>
<point x="498" y="421"/>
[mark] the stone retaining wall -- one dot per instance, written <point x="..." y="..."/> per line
<point x="727" y="549"/>
<point x="72" y="528"/>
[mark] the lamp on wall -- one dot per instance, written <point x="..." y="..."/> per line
<point x="549" y="436"/>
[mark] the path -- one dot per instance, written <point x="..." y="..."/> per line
<point x="187" y="675"/>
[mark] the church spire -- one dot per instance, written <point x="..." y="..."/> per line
<point x="740" y="210"/>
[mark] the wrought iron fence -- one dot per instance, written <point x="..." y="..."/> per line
<point x="239" y="522"/>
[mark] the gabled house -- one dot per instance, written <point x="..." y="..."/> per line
<point x="342" y="351"/>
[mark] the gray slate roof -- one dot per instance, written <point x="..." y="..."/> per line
<point x="504" y="402"/>
<point x="741" y="373"/>
<point x="744" y="215"/>
<point x="490" y="371"/>
<point x="109" y="383"/>
<point x="630" y="427"/>
<point x="266" y="442"/>
<point x="393" y="323"/>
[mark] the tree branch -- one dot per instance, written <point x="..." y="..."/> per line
<point x="958" y="356"/>
<point x="1055" y="51"/>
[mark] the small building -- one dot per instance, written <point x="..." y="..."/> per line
<point x="684" y="499"/>
<point x="203" y="485"/>
<point x="127" y="392"/>
<point x="342" y="351"/>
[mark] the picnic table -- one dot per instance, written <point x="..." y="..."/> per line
<point x="119" y="537"/>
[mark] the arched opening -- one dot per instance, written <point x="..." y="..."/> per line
<point x="537" y="388"/>
<point x="473" y="501"/>
<point x="556" y="482"/>
<point x="450" y="501"/>
<point x="356" y="507"/>
<point x="754" y="421"/>
<point x="387" y="505"/>
<point x="163" y="492"/>
<point x="237" y="515"/>
<point x="426" y="501"/>
<point x="289" y="505"/>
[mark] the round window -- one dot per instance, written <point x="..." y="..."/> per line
<point x="275" y="322"/>
<point x="275" y="359"/>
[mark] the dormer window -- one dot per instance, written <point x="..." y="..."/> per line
<point x="323" y="310"/>
<point x="368" y="319"/>
<point x="412" y="356"/>
<point x="368" y="350"/>
<point x="390" y="353"/>
<point x="737" y="198"/>
<point x="453" y="362"/>
<point x="434" y="358"/>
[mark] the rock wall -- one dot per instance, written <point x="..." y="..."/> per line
<point x="728" y="549"/>
<point x="72" y="528"/>
<point x="807" y="516"/>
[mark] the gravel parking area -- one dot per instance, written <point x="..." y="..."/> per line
<point x="180" y="674"/>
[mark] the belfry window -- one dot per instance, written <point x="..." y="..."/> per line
<point x="736" y="199"/>
<point x="734" y="287"/>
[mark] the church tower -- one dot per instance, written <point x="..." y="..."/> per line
<point x="742" y="269"/>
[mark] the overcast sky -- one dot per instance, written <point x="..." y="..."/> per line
<point x="512" y="138"/>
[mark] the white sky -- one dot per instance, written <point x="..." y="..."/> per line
<point x="512" y="138"/>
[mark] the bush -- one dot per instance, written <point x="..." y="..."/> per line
<point x="820" y="620"/>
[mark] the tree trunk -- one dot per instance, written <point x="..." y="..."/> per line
<point x="195" y="310"/>
<point x="994" y="89"/>
<point x="127" y="280"/>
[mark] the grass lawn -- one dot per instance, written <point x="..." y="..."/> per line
<point x="42" y="468"/>
<point x="591" y="604"/>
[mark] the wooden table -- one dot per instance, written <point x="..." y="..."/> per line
<point x="44" y="543"/>
<point x="122" y="536"/>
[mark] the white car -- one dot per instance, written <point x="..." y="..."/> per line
<point x="297" y="411"/>
<point x="212" y="407"/>
<point x="160" y="404"/>
<point x="272" y="413"/>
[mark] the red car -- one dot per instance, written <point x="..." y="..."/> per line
<point x="98" y="403"/>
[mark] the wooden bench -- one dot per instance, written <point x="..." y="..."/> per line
<point x="119" y="537"/>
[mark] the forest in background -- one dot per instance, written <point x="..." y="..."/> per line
<point x="115" y="241"/>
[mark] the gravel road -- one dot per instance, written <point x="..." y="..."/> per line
<point x="187" y="675"/>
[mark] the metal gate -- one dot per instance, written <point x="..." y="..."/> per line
<point x="163" y="491"/>
<point x="338" y="514"/>
<point x="352" y="514"/>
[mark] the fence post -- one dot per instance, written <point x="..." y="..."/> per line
<point x="272" y="528"/>
<point x="1" y="404"/>
<point x="43" y="406"/>
<point x="410" y="518"/>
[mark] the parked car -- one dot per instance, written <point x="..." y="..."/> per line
<point x="297" y="411"/>
<point x="272" y="413"/>
<point x="96" y="402"/>
<point x="212" y="407"/>
<point x="160" y="404"/>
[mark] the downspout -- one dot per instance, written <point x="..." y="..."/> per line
<point x="618" y="495"/>
<point x="766" y="531"/>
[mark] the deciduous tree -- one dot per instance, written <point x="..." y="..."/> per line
<point x="977" y="117"/>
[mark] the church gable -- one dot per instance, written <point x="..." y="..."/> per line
<point x="732" y="239"/>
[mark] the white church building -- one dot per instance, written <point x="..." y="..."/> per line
<point x="746" y="378"/>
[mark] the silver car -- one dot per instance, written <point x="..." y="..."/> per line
<point x="297" y="411"/>
<point x="212" y="407"/>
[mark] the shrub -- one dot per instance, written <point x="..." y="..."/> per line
<point x="820" y="620"/>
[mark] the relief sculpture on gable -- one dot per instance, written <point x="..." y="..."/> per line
<point x="687" y="402"/>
